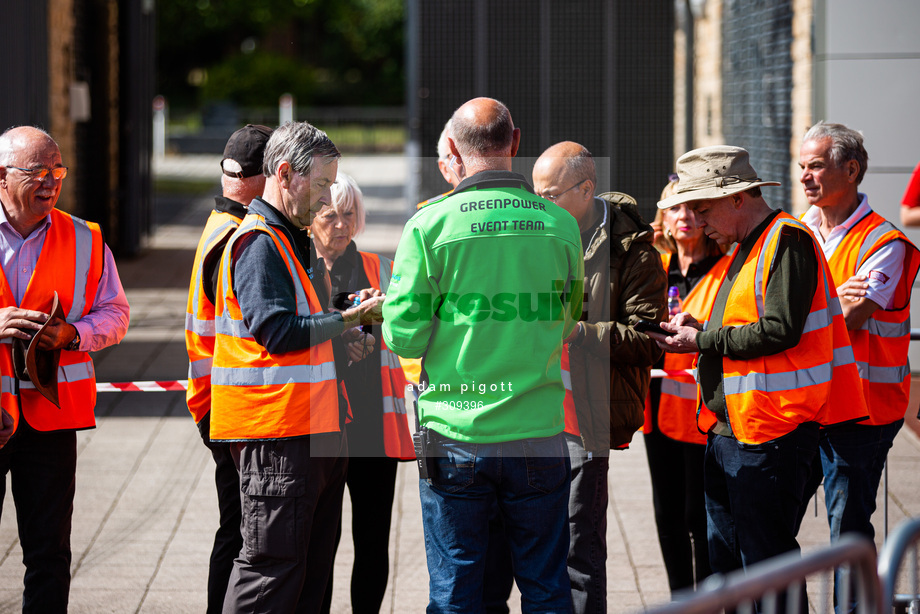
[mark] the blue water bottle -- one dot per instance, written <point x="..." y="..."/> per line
<point x="674" y="303"/>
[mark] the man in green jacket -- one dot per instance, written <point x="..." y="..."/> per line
<point x="609" y="361"/>
<point x="486" y="285"/>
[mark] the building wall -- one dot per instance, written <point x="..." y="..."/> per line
<point x="708" y="76"/>
<point x="60" y="78"/>
<point x="802" y="93"/>
<point x="867" y="76"/>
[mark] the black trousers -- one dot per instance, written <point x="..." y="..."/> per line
<point x="227" y="539"/>
<point x="42" y="469"/>
<point x="371" y="483"/>
<point x="676" y="471"/>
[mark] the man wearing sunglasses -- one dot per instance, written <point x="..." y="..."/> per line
<point x="46" y="252"/>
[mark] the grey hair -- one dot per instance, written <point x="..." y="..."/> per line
<point x="443" y="147"/>
<point x="345" y="194"/>
<point x="479" y="139"/>
<point x="6" y="142"/>
<point x="846" y="145"/>
<point x="297" y="143"/>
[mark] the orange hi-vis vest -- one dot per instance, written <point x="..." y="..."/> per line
<point x="881" y="343"/>
<point x="260" y="396"/>
<point x="679" y="398"/>
<point x="199" y="315"/>
<point x="397" y="438"/>
<point x="70" y="263"/>
<point x="815" y="381"/>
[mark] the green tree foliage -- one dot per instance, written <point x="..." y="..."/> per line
<point x="325" y="52"/>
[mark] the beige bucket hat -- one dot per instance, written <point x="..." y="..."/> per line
<point x="713" y="172"/>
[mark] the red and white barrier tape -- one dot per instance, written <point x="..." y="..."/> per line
<point x="182" y="384"/>
<point x="151" y="386"/>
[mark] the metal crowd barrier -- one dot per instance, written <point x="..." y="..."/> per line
<point x="765" y="583"/>
<point x="899" y="554"/>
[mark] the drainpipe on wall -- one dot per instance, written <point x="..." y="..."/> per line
<point x="688" y="22"/>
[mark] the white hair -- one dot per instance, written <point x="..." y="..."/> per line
<point x="347" y="195"/>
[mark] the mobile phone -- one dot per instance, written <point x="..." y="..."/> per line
<point x="644" y="326"/>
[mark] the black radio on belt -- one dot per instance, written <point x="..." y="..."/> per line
<point x="423" y="440"/>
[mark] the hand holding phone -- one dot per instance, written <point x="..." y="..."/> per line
<point x="645" y="326"/>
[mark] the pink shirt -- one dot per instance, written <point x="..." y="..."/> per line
<point x="107" y="321"/>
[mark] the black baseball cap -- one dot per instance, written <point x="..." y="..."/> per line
<point x="246" y="146"/>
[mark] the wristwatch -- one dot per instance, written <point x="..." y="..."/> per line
<point x="74" y="344"/>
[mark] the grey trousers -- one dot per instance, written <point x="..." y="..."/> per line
<point x="291" y="494"/>
<point x="587" y="560"/>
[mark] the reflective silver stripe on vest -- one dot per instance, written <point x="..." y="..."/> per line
<point x="393" y="405"/>
<point x="273" y="376"/>
<point x="871" y="239"/>
<point x="83" y="258"/>
<point x="843" y="356"/>
<point x="78" y="372"/>
<point x="684" y="390"/>
<point x="7" y="384"/>
<point x="252" y="223"/>
<point x="202" y="328"/>
<point x="817" y="320"/>
<point x="200" y="368"/>
<point x="891" y="330"/>
<point x="225" y="325"/>
<point x="200" y="271"/>
<point x="567" y="380"/>
<point x="777" y="382"/>
<point x="883" y="375"/>
<point x="759" y="274"/>
<point x="385" y="264"/>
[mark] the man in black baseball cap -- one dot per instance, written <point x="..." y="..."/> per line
<point x="243" y="153"/>
<point x="242" y="181"/>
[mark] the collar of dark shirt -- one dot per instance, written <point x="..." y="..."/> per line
<point x="228" y="205"/>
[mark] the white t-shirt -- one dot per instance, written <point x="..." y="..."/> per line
<point x="882" y="269"/>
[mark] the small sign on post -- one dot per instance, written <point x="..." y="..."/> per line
<point x="285" y="109"/>
<point x="159" y="127"/>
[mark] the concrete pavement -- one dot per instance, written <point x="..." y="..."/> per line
<point x="145" y="508"/>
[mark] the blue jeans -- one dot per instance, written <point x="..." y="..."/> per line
<point x="528" y="480"/>
<point x="852" y="459"/>
<point x="754" y="494"/>
<point x="588" y="499"/>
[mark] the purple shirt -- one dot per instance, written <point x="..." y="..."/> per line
<point x="107" y="321"/>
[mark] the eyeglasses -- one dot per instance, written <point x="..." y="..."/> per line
<point x="58" y="172"/>
<point x="553" y="197"/>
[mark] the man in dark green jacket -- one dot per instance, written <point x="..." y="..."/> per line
<point x="609" y="360"/>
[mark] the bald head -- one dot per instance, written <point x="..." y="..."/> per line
<point x="20" y="137"/>
<point x="568" y="161"/>
<point x="565" y="174"/>
<point x="27" y="199"/>
<point x="483" y="135"/>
